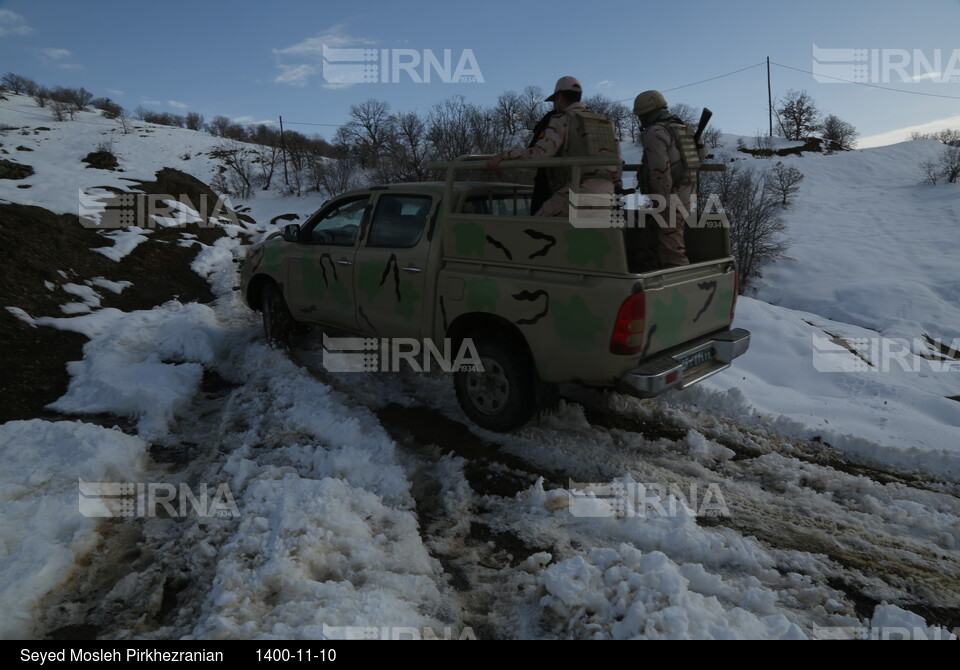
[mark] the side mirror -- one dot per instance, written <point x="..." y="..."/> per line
<point x="291" y="232"/>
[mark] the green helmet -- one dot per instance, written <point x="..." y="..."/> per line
<point x="649" y="101"/>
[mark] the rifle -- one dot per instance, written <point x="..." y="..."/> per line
<point x="705" y="117"/>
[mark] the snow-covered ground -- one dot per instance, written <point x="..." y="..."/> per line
<point x="768" y="502"/>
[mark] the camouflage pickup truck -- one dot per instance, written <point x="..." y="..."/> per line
<point x="543" y="301"/>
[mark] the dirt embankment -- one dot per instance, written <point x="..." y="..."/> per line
<point x="41" y="249"/>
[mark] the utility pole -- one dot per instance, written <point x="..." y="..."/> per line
<point x="769" y="97"/>
<point x="283" y="145"/>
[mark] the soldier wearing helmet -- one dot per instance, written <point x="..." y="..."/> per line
<point x="671" y="158"/>
<point x="572" y="131"/>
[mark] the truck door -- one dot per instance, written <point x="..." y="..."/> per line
<point x="321" y="270"/>
<point x="392" y="266"/>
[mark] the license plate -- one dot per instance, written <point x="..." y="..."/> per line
<point x="697" y="359"/>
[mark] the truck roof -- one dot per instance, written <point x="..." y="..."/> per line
<point x="437" y="186"/>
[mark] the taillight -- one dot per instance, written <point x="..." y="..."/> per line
<point x="627" y="338"/>
<point x="736" y="292"/>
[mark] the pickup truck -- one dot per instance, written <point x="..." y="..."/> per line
<point x="543" y="301"/>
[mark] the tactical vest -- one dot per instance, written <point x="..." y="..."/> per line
<point x="588" y="134"/>
<point x="684" y="172"/>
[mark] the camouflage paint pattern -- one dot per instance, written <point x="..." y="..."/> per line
<point x="562" y="288"/>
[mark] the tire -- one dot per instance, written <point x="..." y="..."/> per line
<point x="278" y="323"/>
<point x="503" y="396"/>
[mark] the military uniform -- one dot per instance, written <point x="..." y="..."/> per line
<point x="665" y="172"/>
<point x="575" y="131"/>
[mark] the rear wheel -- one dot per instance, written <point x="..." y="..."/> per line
<point x="278" y="323"/>
<point x="502" y="396"/>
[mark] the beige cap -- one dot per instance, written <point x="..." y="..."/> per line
<point x="565" y="84"/>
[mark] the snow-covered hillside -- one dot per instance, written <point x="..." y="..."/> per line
<point x="775" y="500"/>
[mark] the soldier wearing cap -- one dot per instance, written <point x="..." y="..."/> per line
<point x="669" y="167"/>
<point x="573" y="131"/>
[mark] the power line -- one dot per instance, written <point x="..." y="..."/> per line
<point x="703" y="81"/>
<point x="860" y="83"/>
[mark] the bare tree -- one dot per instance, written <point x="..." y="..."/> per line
<point x="756" y="226"/>
<point x="61" y="110"/>
<point x="950" y="164"/>
<point x="763" y="142"/>
<point x="110" y="109"/>
<point x="930" y="172"/>
<point x="798" y="115"/>
<point x="784" y="181"/>
<point x="369" y="130"/>
<point x="238" y="161"/>
<point x="194" y="121"/>
<point x="839" y="131"/>
<point x="448" y="129"/>
<point x="712" y="136"/>
<point x="509" y="114"/>
<point x="532" y="106"/>
<point x="16" y="84"/>
<point x="333" y="176"/>
<point x="947" y="136"/>
<point x="946" y="167"/>
<point x="41" y="95"/>
<point x="619" y="114"/>
<point x="79" y="98"/>
<point x="409" y="147"/>
<point x="217" y="125"/>
<point x="686" y="113"/>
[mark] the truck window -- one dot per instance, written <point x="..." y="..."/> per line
<point x="338" y="224"/>
<point x="498" y="204"/>
<point x="399" y="220"/>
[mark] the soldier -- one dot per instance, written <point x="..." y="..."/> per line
<point x="573" y="130"/>
<point x="671" y="158"/>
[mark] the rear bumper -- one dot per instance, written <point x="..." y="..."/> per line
<point x="680" y="368"/>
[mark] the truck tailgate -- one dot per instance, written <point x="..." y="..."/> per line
<point x="687" y="303"/>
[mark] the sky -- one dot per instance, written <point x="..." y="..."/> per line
<point x="255" y="62"/>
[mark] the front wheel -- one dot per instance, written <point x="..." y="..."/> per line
<point x="502" y="396"/>
<point x="277" y="321"/>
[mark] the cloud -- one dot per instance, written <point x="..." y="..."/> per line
<point x="903" y="134"/>
<point x="177" y="104"/>
<point x="300" y="62"/>
<point x="58" y="57"/>
<point x="606" y="83"/>
<point x="295" y="75"/>
<point x="935" y="76"/>
<point x="13" y="24"/>
<point x="115" y="92"/>
<point x="55" y="54"/>
<point x="313" y="46"/>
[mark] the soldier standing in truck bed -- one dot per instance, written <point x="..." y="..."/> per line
<point x="671" y="158"/>
<point x="573" y="131"/>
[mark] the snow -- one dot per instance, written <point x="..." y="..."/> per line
<point x="42" y="536"/>
<point x="145" y="364"/>
<point x="346" y="524"/>
<point x="124" y="241"/>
